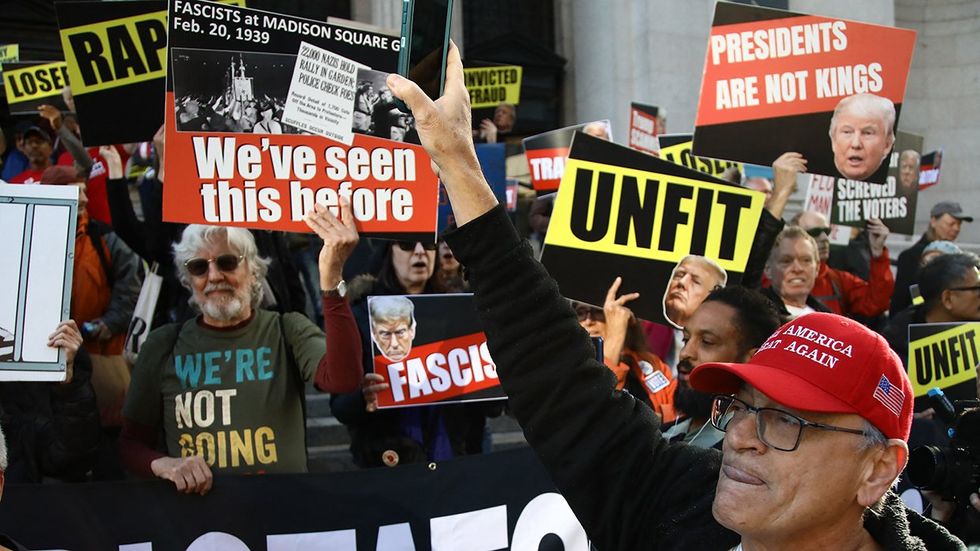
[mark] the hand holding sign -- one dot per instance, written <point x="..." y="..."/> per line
<point x="444" y="129"/>
<point x="191" y="474"/>
<point x="784" y="171"/>
<point x="618" y="318"/>
<point x="67" y="336"/>
<point x="877" y="233"/>
<point x="370" y="387"/>
<point x="52" y="114"/>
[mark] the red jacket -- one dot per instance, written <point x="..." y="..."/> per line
<point x="847" y="294"/>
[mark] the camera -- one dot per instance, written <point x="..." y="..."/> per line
<point x="953" y="472"/>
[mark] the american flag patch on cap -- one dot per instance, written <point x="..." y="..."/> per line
<point x="889" y="395"/>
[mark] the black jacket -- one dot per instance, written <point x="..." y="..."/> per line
<point x="907" y="274"/>
<point x="603" y="449"/>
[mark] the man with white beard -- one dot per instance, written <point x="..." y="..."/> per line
<point x="227" y="387"/>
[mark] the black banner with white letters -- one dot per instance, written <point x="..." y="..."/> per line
<point x="503" y="500"/>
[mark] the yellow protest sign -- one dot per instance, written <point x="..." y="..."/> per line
<point x="680" y="153"/>
<point x="34" y="82"/>
<point x="491" y="86"/>
<point x="664" y="217"/>
<point x="9" y="53"/>
<point x="943" y="358"/>
<point x="115" y="53"/>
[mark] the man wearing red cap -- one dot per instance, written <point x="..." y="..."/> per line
<point x="812" y="444"/>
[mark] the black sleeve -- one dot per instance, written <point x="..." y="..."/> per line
<point x="124" y="221"/>
<point x="70" y="437"/>
<point x="603" y="448"/>
<point x="765" y="237"/>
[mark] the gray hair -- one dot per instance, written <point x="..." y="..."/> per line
<point x="911" y="153"/>
<point x="240" y="240"/>
<point x="793" y="232"/>
<point x="873" y="437"/>
<point x="720" y="272"/>
<point x="867" y="104"/>
<point x="387" y="309"/>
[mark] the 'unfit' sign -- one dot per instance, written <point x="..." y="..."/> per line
<point x="623" y="213"/>
<point x="944" y="355"/>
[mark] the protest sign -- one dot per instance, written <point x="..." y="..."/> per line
<point x="820" y="199"/>
<point x="772" y="80"/>
<point x="943" y="355"/>
<point x="491" y="86"/>
<point x="893" y="201"/>
<point x="117" y="63"/>
<point x="512" y="194"/>
<point x="501" y="500"/>
<point x="430" y="349"/>
<point x="623" y="213"/>
<point x="38" y="225"/>
<point x="546" y="152"/>
<point x="492" y="158"/>
<point x="929" y="169"/>
<point x="646" y="123"/>
<point x="30" y="84"/>
<point x="232" y="158"/>
<point x="9" y="53"/>
<point x="676" y="148"/>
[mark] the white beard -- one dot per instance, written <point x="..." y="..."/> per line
<point x="222" y="308"/>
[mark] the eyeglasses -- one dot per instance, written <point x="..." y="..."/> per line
<point x="776" y="428"/>
<point x="225" y="263"/>
<point x="409" y="246"/>
<point x="584" y="313"/>
<point x="974" y="288"/>
<point x="817" y="232"/>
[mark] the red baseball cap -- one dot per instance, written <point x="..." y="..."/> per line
<point x="824" y="363"/>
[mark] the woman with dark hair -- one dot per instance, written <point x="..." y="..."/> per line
<point x="403" y="435"/>
<point x="626" y="353"/>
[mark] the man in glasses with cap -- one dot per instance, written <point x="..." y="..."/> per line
<point x="812" y="446"/>
<point x="945" y="220"/>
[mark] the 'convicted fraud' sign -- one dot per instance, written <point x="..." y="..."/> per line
<point x="623" y="213"/>
<point x="430" y="349"/>
<point x="772" y="80"/>
<point x="233" y="159"/>
<point x="117" y="61"/>
<point x="944" y="355"/>
<point x="491" y="86"/>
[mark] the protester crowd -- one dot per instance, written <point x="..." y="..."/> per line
<point x="247" y="317"/>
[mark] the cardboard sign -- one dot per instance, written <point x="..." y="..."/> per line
<point x="944" y="355"/>
<point x="929" y="169"/>
<point x="38" y="225"/>
<point x="117" y="61"/>
<point x="430" y="349"/>
<point x="894" y="201"/>
<point x="646" y="123"/>
<point x="232" y="158"/>
<point x="34" y="83"/>
<point x="491" y="86"/>
<point x="772" y="80"/>
<point x="676" y="148"/>
<point x="546" y="152"/>
<point x="623" y="213"/>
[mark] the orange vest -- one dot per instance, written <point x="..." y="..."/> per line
<point x="655" y="377"/>
<point x="90" y="288"/>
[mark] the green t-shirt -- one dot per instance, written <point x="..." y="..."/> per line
<point x="228" y="395"/>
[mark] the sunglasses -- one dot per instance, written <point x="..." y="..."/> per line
<point x="409" y="246"/>
<point x="225" y="263"/>
<point x="817" y="232"/>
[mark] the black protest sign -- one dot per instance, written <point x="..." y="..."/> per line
<point x="431" y="349"/>
<point x="29" y="84"/>
<point x="624" y="213"/>
<point x="503" y="500"/>
<point x="117" y="59"/>
<point x="945" y="356"/>
<point x="773" y="79"/>
<point x="893" y="201"/>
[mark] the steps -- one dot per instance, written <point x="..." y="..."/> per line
<point x="327" y="441"/>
